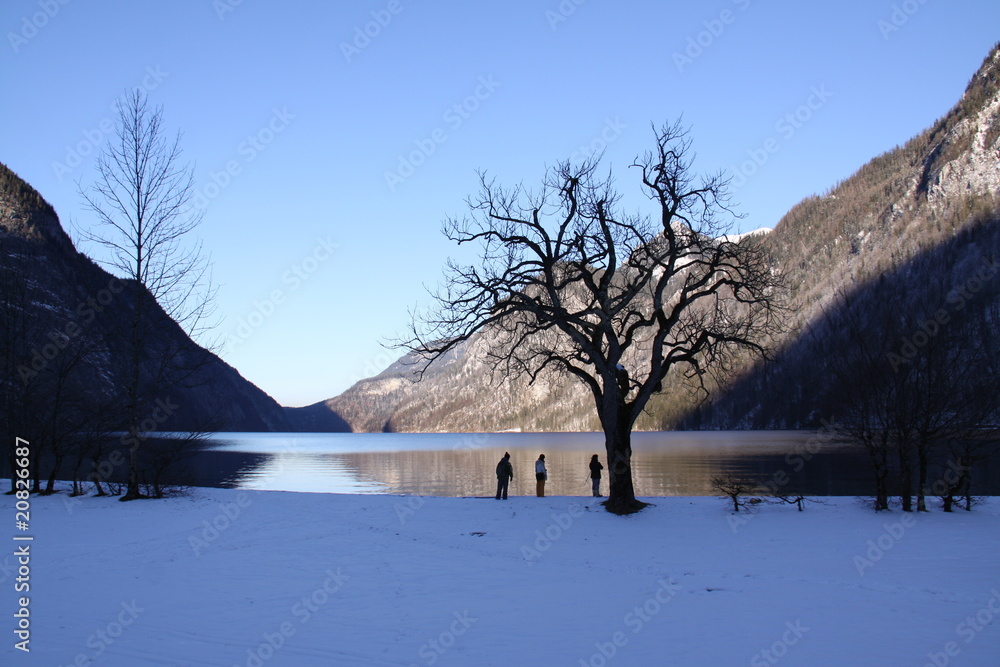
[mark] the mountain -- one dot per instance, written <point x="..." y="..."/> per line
<point x="61" y="316"/>
<point x="921" y="214"/>
<point x="918" y="226"/>
<point x="458" y="393"/>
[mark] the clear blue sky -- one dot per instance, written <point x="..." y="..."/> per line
<point x="309" y="118"/>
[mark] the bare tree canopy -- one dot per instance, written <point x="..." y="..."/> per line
<point x="143" y="200"/>
<point x="570" y="282"/>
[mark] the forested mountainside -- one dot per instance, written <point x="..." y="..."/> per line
<point x="917" y="227"/>
<point x="914" y="235"/>
<point x="61" y="322"/>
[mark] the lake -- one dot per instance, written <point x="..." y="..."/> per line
<point x="664" y="463"/>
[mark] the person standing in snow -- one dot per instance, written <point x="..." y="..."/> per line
<point x="541" y="474"/>
<point x="595" y="475"/>
<point x="505" y="472"/>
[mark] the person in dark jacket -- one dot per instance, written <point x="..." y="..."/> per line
<point x="505" y="471"/>
<point x="595" y="475"/>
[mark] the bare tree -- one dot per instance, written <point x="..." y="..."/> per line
<point x="143" y="201"/>
<point x="955" y="483"/>
<point x="796" y="499"/>
<point x="72" y="408"/>
<point x="972" y="353"/>
<point x="167" y="468"/>
<point x="569" y="282"/>
<point x="735" y="485"/>
<point x="854" y="361"/>
<point x="943" y="390"/>
<point x="904" y="402"/>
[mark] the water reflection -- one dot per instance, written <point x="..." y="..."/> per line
<point x="664" y="464"/>
<point x="293" y="471"/>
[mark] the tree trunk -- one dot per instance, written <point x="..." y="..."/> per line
<point x="923" y="454"/>
<point x="876" y="446"/>
<point x="77" y="486"/>
<point x="37" y="468"/>
<point x="881" y="493"/>
<point x="51" y="482"/>
<point x="95" y="476"/>
<point x="905" y="475"/>
<point x="133" y="491"/>
<point x="966" y="483"/>
<point x="618" y="443"/>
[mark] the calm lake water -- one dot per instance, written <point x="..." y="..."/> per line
<point x="664" y="464"/>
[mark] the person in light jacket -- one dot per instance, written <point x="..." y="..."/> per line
<point x="541" y="474"/>
<point x="595" y="475"/>
<point x="505" y="471"/>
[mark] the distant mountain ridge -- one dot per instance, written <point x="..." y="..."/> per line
<point x="939" y="190"/>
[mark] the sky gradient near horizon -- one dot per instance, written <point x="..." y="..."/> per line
<point x="331" y="139"/>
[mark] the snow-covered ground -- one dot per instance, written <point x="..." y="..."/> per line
<point x="258" y="578"/>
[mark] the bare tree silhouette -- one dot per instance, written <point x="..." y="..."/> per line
<point x="569" y="282"/>
<point x="143" y="200"/>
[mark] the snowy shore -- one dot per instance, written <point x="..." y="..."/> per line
<point x="252" y="578"/>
